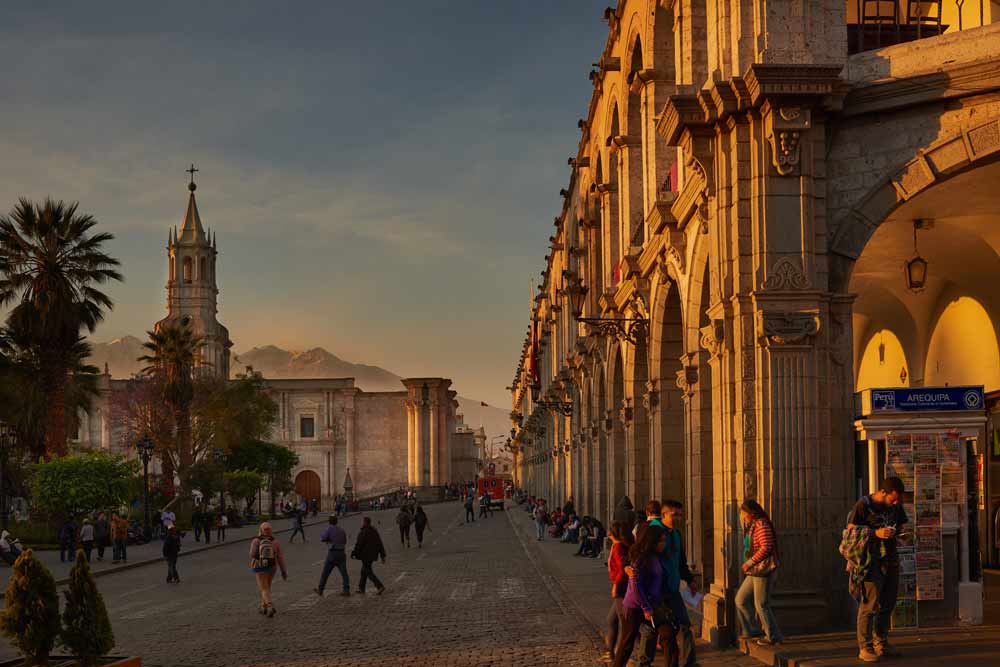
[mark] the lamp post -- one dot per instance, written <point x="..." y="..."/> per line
<point x="7" y="439"/>
<point x="272" y="464"/>
<point x="220" y="458"/>
<point x="145" y="448"/>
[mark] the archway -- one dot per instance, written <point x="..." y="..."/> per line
<point x="618" y="454"/>
<point x="637" y="436"/>
<point x="308" y="486"/>
<point x="601" y="463"/>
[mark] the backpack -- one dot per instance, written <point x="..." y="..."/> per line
<point x="265" y="553"/>
<point x="404" y="520"/>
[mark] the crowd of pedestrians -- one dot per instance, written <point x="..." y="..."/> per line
<point x="647" y="565"/>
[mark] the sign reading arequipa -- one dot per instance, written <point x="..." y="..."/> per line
<point x="923" y="399"/>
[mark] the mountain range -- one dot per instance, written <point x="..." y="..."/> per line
<point x="120" y="357"/>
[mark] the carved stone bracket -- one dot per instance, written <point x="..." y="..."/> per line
<point x="651" y="399"/>
<point x="687" y="380"/>
<point x="625" y="413"/>
<point x="786" y="274"/>
<point x="712" y="337"/>
<point x="787" y="328"/>
<point x="785" y="126"/>
<point x="609" y="421"/>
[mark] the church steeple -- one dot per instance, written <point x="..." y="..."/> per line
<point x="192" y="291"/>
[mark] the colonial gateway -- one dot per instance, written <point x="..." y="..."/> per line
<point x="772" y="206"/>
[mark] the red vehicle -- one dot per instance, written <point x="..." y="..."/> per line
<point x="497" y="488"/>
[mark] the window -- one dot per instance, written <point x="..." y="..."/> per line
<point x="307" y="427"/>
<point x="202" y="275"/>
<point x="188" y="268"/>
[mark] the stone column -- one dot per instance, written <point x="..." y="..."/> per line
<point x="433" y="445"/>
<point x="419" y="458"/>
<point x="351" y="444"/>
<point x="411" y="441"/>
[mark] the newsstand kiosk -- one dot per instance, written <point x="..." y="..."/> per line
<point x="930" y="437"/>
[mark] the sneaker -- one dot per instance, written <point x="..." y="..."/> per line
<point x="271" y="612"/>
<point x="887" y="651"/>
<point x="868" y="655"/>
<point x="381" y="590"/>
<point x="318" y="592"/>
<point x="764" y="641"/>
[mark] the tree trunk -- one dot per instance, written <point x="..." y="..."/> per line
<point x="55" y="413"/>
<point x="185" y="455"/>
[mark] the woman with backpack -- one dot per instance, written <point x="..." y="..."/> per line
<point x="760" y="563"/>
<point x="421" y="524"/>
<point x="265" y="559"/>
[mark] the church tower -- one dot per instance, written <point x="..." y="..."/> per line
<point x="191" y="287"/>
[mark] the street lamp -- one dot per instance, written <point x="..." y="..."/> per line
<point x="7" y="439"/>
<point x="631" y="329"/>
<point x="145" y="448"/>
<point x="220" y="458"/>
<point x="272" y="465"/>
<point x="916" y="268"/>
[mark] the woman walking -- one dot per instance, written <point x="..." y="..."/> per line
<point x="403" y="520"/>
<point x="265" y="559"/>
<point x="87" y="538"/>
<point x="172" y="547"/>
<point x="421" y="524"/>
<point x="368" y="549"/>
<point x="760" y="555"/>
<point x="645" y="590"/>
<point x="621" y="542"/>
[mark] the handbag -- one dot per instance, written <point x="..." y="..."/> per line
<point x="769" y="564"/>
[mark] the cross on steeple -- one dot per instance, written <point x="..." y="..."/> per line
<point x="192" y="171"/>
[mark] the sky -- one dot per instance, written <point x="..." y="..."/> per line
<point x="381" y="176"/>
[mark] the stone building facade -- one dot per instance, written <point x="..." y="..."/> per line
<point x="744" y="198"/>
<point x="382" y="441"/>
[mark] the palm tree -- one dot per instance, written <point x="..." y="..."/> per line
<point x="174" y="352"/>
<point x="50" y="267"/>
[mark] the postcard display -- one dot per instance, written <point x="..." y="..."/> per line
<point x="930" y="465"/>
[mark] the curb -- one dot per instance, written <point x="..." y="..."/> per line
<point x="208" y="547"/>
<point x="558" y="592"/>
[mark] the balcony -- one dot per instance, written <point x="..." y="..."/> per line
<point x="874" y="24"/>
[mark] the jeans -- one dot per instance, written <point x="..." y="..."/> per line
<point x="220" y="534"/>
<point x="335" y="558"/>
<point x="470" y="515"/>
<point x="67" y="551"/>
<point x="678" y="644"/>
<point x="299" y="530"/>
<point x="197" y="531"/>
<point x="119" y="550"/>
<point x="753" y="602"/>
<point x="614" y="620"/>
<point x="540" y="529"/>
<point x="875" y="610"/>
<point x="88" y="548"/>
<point x="482" y="511"/>
<point x="208" y="533"/>
<point x="172" y="569"/>
<point x="630" y="622"/>
<point x="404" y="535"/>
<point x="102" y="542"/>
<point x="420" y="534"/>
<point x="368" y="573"/>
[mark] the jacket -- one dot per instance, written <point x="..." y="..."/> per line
<point x="119" y="529"/>
<point x="762" y="541"/>
<point x="404" y="519"/>
<point x="616" y="568"/>
<point x="171" y="546"/>
<point x="102" y="530"/>
<point x="854" y="548"/>
<point x="421" y="520"/>
<point x="369" y="547"/>
<point x="645" y="589"/>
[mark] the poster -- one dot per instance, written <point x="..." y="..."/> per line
<point x="949" y="450"/>
<point x="928" y="515"/>
<point x="930" y="584"/>
<point x="951" y="514"/>
<point x="927" y="488"/>
<point x="907" y="562"/>
<point x="907" y="586"/>
<point x="899" y="449"/>
<point x="952" y="484"/>
<point x="928" y="538"/>
<point x="904" y="471"/>
<point x="925" y="450"/>
<point x="905" y="614"/>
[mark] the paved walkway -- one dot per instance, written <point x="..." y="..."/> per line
<point x="587" y="589"/>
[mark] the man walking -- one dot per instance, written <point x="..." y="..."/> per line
<point x="470" y="513"/>
<point x="119" y="535"/>
<point x="541" y="517"/>
<point x="196" y="519"/>
<point x="335" y="536"/>
<point x="403" y="520"/>
<point x="484" y="501"/>
<point x="880" y="515"/>
<point x="102" y="534"/>
<point x="300" y="528"/>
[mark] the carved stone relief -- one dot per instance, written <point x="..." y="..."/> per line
<point x="786" y="274"/>
<point x="712" y="337"/>
<point x="788" y="328"/>
<point x="786" y="125"/>
<point x="651" y="399"/>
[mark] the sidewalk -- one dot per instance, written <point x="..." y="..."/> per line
<point x="585" y="586"/>
<point x="145" y="554"/>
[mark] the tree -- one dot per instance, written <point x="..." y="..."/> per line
<point x="50" y="268"/>
<point x="86" y="628"/>
<point x="230" y="413"/>
<point x="255" y="454"/>
<point x="206" y="476"/>
<point x="174" y="351"/>
<point x="30" y="617"/>
<point x="82" y="483"/>
<point x="138" y="410"/>
<point x="244" y="484"/>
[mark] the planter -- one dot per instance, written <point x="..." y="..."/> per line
<point x="64" y="661"/>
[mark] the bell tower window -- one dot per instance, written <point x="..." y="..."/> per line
<point x="188" y="269"/>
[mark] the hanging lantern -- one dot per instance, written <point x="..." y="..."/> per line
<point x="916" y="268"/>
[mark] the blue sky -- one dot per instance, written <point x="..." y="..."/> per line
<point x="382" y="176"/>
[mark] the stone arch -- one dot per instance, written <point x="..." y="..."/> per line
<point x="893" y="315"/>
<point x="309" y="485"/>
<point x="967" y="149"/>
<point x="666" y="401"/>
<point x="600" y="467"/>
<point x="617" y="461"/>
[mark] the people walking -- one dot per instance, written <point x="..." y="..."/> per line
<point x="420" y="524"/>
<point x="207" y="523"/>
<point x="873" y="525"/>
<point x="300" y="528"/>
<point x="484" y="503"/>
<point x="67" y="541"/>
<point x="171" y="549"/>
<point x="403" y="520"/>
<point x="760" y="562"/>
<point x="470" y="513"/>
<point x="265" y="559"/>
<point x="221" y="522"/>
<point x="336" y="538"/>
<point x="87" y="538"/>
<point x="368" y="549"/>
<point x="621" y="542"/>
<point x="197" y="518"/>
<point x="541" y="517"/>
<point x="644" y="592"/>
<point x="119" y="537"/>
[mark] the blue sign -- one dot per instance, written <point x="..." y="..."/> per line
<point x="928" y="399"/>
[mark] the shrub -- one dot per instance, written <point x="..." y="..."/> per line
<point x="86" y="628"/>
<point x="81" y="483"/>
<point x="31" y="615"/>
